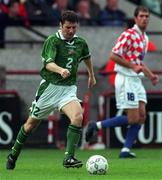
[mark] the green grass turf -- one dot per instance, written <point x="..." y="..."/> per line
<point x="46" y="164"/>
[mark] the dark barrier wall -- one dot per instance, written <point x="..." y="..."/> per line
<point x="150" y="134"/>
<point x="10" y="122"/>
<point x="9" y="117"/>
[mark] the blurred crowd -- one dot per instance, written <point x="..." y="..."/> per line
<point x="47" y="12"/>
<point x="154" y="5"/>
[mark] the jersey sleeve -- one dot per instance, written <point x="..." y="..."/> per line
<point x="122" y="44"/>
<point x="85" y="51"/>
<point x="147" y="43"/>
<point x="49" y="51"/>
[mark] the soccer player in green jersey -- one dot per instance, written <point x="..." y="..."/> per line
<point x="61" y="55"/>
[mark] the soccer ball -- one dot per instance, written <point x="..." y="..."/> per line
<point x="97" y="165"/>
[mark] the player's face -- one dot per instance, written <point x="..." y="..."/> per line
<point x="142" y="20"/>
<point x="69" y="29"/>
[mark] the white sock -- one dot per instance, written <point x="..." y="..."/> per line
<point x="98" y="124"/>
<point x="125" y="149"/>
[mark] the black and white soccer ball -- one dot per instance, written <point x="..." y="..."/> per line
<point x="97" y="165"/>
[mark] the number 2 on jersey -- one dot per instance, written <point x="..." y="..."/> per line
<point x="69" y="64"/>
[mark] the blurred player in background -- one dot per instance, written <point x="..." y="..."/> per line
<point x="128" y="54"/>
<point x="110" y="65"/>
<point x="61" y="55"/>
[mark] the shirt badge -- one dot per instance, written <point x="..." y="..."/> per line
<point x="71" y="52"/>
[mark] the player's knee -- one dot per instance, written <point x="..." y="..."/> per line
<point x="134" y="120"/>
<point x="142" y="119"/>
<point x="77" y="119"/>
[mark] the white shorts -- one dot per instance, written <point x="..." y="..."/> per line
<point x="129" y="91"/>
<point x="50" y="97"/>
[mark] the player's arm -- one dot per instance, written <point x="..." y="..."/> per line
<point x="53" y="67"/>
<point x="154" y="78"/>
<point x="123" y="62"/>
<point x="89" y="66"/>
<point x="49" y="52"/>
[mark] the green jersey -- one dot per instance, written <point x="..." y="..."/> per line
<point x="66" y="54"/>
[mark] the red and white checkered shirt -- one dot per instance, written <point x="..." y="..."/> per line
<point x="132" y="46"/>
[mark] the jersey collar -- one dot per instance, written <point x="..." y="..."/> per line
<point x="60" y="35"/>
<point x="138" y="30"/>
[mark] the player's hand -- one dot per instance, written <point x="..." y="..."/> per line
<point x="154" y="79"/>
<point x="65" y="73"/>
<point x="91" y="81"/>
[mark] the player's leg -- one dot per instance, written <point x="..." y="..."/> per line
<point x="75" y="113"/>
<point x="133" y="130"/>
<point x="24" y="132"/>
<point x="115" y="121"/>
<point x="142" y="112"/>
<point x="40" y="109"/>
<point x="93" y="126"/>
<point x="136" y="116"/>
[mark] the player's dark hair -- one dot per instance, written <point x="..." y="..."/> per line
<point x="139" y="9"/>
<point x="129" y="23"/>
<point x="70" y="16"/>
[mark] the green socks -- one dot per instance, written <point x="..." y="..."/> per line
<point x="73" y="137"/>
<point x="20" y="140"/>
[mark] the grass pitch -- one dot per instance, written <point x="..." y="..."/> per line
<point x="46" y="164"/>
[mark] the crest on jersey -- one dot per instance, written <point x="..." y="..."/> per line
<point x="71" y="52"/>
